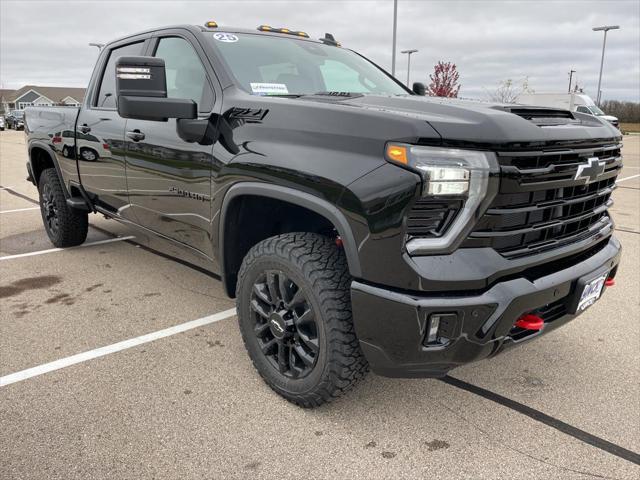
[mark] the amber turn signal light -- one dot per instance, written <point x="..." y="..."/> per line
<point x="397" y="153"/>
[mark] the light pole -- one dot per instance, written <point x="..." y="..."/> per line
<point x="571" y="72"/>
<point x="395" y="27"/>
<point x="605" y="28"/>
<point x="97" y="45"/>
<point x="409" y="52"/>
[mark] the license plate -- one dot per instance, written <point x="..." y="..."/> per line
<point x="591" y="292"/>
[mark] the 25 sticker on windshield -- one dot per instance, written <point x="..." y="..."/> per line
<point x="225" y="37"/>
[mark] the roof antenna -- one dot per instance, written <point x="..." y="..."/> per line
<point x="329" y="40"/>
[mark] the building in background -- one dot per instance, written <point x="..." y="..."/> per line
<point x="30" y="95"/>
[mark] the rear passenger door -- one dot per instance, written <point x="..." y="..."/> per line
<point x="100" y="130"/>
<point x="169" y="179"/>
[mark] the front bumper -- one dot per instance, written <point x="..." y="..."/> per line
<point x="392" y="326"/>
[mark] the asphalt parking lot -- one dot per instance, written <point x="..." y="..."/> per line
<point x="188" y="404"/>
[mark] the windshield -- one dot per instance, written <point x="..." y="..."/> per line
<point x="266" y="65"/>
<point x="17" y="114"/>
<point x="595" y="110"/>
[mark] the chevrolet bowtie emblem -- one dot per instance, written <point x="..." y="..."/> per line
<point x="591" y="170"/>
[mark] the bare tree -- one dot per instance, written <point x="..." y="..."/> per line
<point x="444" y="80"/>
<point x="625" y="111"/>
<point x="509" y="90"/>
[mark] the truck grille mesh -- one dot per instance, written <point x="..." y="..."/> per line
<point x="540" y="206"/>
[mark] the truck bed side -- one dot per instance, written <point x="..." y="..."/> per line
<point x="51" y="139"/>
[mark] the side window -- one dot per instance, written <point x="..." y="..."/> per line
<point x="107" y="94"/>
<point x="186" y="76"/>
<point x="583" y="110"/>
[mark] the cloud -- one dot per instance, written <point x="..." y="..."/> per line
<point x="46" y="42"/>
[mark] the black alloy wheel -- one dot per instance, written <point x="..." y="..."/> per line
<point x="285" y="324"/>
<point x="65" y="226"/>
<point x="294" y="311"/>
<point x="49" y="210"/>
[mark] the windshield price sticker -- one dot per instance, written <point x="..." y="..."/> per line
<point x="225" y="37"/>
<point x="269" y="88"/>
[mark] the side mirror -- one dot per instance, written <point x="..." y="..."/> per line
<point x="419" y="89"/>
<point x="141" y="89"/>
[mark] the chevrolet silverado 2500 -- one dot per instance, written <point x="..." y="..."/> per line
<point x="357" y="223"/>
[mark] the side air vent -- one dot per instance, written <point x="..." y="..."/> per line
<point x="430" y="218"/>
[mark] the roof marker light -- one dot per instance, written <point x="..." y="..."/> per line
<point x="211" y="24"/>
<point x="267" y="28"/>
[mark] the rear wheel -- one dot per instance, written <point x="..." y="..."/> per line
<point x="65" y="226"/>
<point x="294" y="311"/>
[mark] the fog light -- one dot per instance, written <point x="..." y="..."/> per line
<point x="441" y="325"/>
<point x="434" y="323"/>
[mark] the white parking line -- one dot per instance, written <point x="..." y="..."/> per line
<point x="628" y="178"/>
<point x="52" y="250"/>
<point x="20" y="210"/>
<point x="116" y="347"/>
<point x="6" y="188"/>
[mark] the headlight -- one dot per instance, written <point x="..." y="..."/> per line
<point x="447" y="173"/>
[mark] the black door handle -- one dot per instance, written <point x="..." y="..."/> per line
<point x="136" y="135"/>
<point x="84" y="128"/>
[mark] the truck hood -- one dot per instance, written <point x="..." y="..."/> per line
<point x="485" y="124"/>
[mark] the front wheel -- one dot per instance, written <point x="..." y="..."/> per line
<point x="294" y="310"/>
<point x="88" y="155"/>
<point x="65" y="226"/>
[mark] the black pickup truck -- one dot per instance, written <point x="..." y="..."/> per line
<point x="357" y="223"/>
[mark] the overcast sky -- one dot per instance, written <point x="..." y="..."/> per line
<point x="45" y="42"/>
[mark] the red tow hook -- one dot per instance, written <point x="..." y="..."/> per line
<point x="530" y="322"/>
<point x="610" y="282"/>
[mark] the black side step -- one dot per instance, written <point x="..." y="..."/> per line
<point x="78" y="203"/>
<point x="83" y="202"/>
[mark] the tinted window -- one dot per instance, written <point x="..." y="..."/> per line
<point x="186" y="76"/>
<point x="584" y="110"/>
<point x="107" y="95"/>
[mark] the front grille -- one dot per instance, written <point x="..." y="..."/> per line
<point x="540" y="206"/>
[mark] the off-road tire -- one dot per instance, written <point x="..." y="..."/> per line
<point x="316" y="265"/>
<point x="72" y="224"/>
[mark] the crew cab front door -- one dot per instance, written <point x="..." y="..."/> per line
<point x="169" y="180"/>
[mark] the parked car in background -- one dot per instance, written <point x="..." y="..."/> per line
<point x="2" y="124"/>
<point x="575" y="102"/>
<point x="15" y="120"/>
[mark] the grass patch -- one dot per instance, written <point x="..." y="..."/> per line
<point x="630" y="127"/>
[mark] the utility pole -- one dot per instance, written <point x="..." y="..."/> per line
<point x="604" y="29"/>
<point x="571" y="72"/>
<point x="409" y="52"/>
<point x="395" y="28"/>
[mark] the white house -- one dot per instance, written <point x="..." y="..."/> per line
<point x="37" y="95"/>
